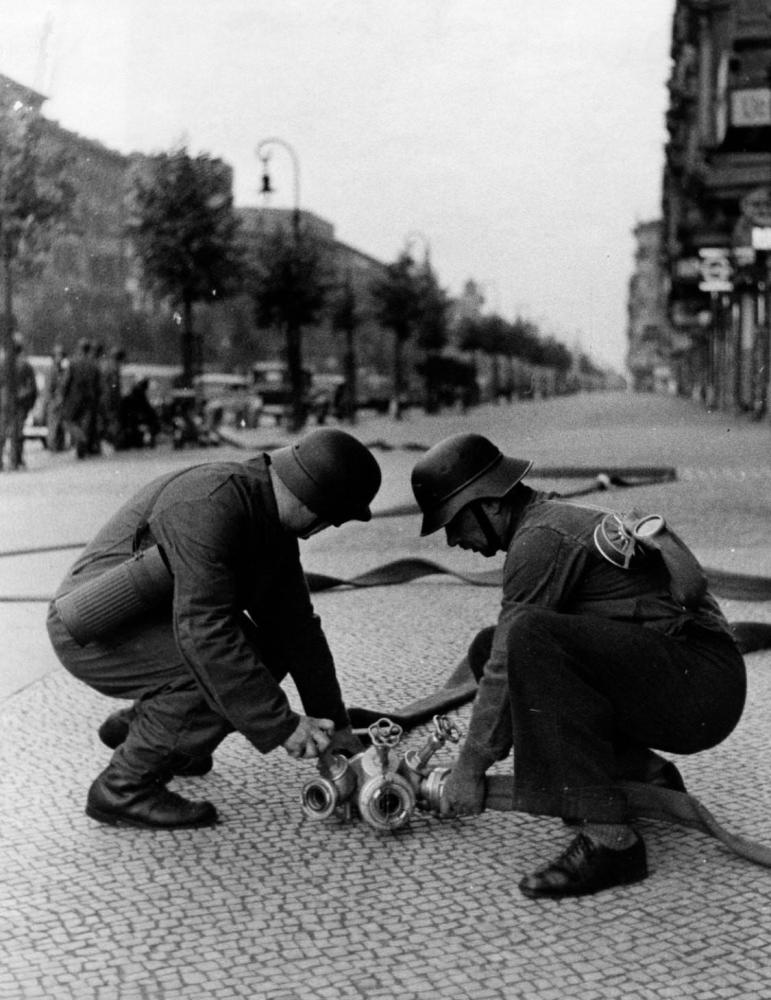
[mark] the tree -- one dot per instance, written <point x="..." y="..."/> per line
<point x="432" y="330"/>
<point x="184" y="232"/>
<point x="556" y="355"/>
<point x="290" y="285"/>
<point x="491" y="335"/>
<point x="346" y="318"/>
<point x="396" y="299"/>
<point x="449" y="380"/>
<point x="36" y="200"/>
<point x="525" y="340"/>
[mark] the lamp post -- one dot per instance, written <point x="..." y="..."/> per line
<point x="291" y="320"/>
<point x="416" y="235"/>
<point x="263" y="153"/>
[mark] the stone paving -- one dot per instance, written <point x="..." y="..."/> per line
<point x="272" y="906"/>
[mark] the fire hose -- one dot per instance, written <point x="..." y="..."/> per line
<point x="384" y="788"/>
<point x="380" y="785"/>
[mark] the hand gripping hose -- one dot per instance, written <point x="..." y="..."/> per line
<point x="646" y="801"/>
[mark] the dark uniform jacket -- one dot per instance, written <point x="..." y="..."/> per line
<point x="552" y="562"/>
<point x="217" y="526"/>
<point x="81" y="389"/>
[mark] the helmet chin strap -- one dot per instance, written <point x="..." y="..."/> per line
<point x="484" y="522"/>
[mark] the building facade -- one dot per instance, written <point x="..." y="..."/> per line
<point x="82" y="284"/>
<point x="90" y="282"/>
<point x="650" y="341"/>
<point x="716" y="220"/>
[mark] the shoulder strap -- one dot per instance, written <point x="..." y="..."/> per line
<point x="143" y="526"/>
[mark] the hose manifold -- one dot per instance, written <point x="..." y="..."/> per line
<point x="379" y="785"/>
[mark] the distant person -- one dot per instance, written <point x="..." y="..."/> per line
<point x="102" y="361"/>
<point x="111" y="397"/>
<point x="54" y="400"/>
<point x="81" y="400"/>
<point x="12" y="418"/>
<point x="233" y="619"/>
<point x="138" y="419"/>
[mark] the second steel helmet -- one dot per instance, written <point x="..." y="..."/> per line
<point x="460" y="469"/>
<point x="332" y="473"/>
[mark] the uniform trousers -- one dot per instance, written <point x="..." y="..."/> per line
<point x="590" y="698"/>
<point x="171" y="721"/>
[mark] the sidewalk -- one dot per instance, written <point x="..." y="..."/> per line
<point x="271" y="906"/>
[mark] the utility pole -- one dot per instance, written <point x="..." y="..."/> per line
<point x="8" y="369"/>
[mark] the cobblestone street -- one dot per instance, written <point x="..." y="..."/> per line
<point x="269" y="905"/>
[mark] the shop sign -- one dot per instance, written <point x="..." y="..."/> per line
<point x="715" y="270"/>
<point x="751" y="107"/>
<point x="756" y="206"/>
<point x="761" y="237"/>
<point x="744" y="256"/>
<point x="688" y="269"/>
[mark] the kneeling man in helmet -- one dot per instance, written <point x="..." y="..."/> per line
<point x="238" y="619"/>
<point x="607" y="645"/>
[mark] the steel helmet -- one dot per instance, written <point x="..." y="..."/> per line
<point x="332" y="473"/>
<point x="460" y="469"/>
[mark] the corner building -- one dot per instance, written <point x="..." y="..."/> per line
<point x="716" y="202"/>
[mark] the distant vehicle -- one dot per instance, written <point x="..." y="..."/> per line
<point x="322" y="390"/>
<point x="228" y="400"/>
<point x="217" y="383"/>
<point x="161" y="382"/>
<point x="373" y="390"/>
<point x="327" y="396"/>
<point x="270" y="380"/>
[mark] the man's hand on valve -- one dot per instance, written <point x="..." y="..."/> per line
<point x="310" y="739"/>
<point x="463" y="791"/>
<point x="346" y="742"/>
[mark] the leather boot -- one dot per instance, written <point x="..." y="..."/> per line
<point x="182" y="766"/>
<point x="114" y="730"/>
<point x="118" y="799"/>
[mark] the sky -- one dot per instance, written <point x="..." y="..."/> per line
<point x="517" y="141"/>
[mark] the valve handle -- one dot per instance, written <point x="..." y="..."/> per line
<point x="385" y="733"/>
<point x="445" y="730"/>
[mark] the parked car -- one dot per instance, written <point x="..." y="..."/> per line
<point x="161" y="383"/>
<point x="270" y="380"/>
<point x="326" y="395"/>
<point x="228" y="400"/>
<point x="373" y="390"/>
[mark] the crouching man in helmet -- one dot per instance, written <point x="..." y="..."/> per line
<point x="604" y="649"/>
<point x="237" y="621"/>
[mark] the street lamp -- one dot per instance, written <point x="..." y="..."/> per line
<point x="263" y="154"/>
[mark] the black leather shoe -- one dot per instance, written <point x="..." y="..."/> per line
<point x="585" y="867"/>
<point x="117" y="800"/>
<point x="114" y="730"/>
